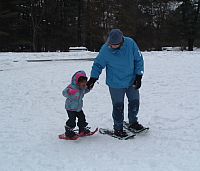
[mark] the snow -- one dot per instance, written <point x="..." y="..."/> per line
<point x="32" y="115"/>
<point x="76" y="49"/>
<point x="177" y="48"/>
<point x="10" y="56"/>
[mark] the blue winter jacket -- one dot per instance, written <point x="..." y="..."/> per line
<point x="74" y="94"/>
<point x="122" y="64"/>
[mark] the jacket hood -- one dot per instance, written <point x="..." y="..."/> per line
<point x="76" y="76"/>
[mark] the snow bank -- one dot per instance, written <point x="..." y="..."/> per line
<point x="10" y="56"/>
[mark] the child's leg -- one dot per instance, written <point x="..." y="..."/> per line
<point x="70" y="124"/>
<point x="81" y="121"/>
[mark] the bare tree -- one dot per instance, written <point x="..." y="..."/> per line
<point x="37" y="11"/>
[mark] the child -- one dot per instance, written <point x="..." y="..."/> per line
<point x="74" y="103"/>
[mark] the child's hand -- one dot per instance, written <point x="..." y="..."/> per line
<point x="72" y="91"/>
<point x="90" y="83"/>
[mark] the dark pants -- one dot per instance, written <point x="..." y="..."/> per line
<point x="71" y="122"/>
<point x="117" y="97"/>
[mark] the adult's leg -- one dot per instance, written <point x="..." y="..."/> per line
<point x="117" y="97"/>
<point x="133" y="104"/>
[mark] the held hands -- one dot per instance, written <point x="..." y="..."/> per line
<point x="90" y="83"/>
<point x="137" y="83"/>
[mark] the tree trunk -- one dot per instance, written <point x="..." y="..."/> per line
<point x="79" y="24"/>
<point x="190" y="44"/>
<point x="35" y="40"/>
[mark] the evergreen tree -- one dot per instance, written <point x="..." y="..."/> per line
<point x="189" y="27"/>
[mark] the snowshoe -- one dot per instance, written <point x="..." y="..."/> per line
<point x="121" y="136"/>
<point x="135" y="127"/>
<point x="85" y="131"/>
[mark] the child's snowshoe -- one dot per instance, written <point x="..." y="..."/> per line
<point x="85" y="131"/>
<point x="69" y="134"/>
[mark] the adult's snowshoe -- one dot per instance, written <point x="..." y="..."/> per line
<point x="120" y="136"/>
<point x="135" y="127"/>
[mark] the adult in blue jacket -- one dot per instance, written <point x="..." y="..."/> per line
<point x="124" y="65"/>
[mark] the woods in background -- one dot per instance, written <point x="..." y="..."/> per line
<point x="51" y="25"/>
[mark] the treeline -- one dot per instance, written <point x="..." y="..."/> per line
<point x="51" y="25"/>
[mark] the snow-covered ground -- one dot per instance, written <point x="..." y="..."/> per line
<point x="32" y="115"/>
<point x="10" y="56"/>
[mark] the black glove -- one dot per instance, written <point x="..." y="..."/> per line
<point x="138" y="81"/>
<point x="90" y="83"/>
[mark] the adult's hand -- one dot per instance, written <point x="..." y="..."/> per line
<point x="90" y="83"/>
<point x="138" y="81"/>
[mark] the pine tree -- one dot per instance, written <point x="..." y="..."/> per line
<point x="7" y="18"/>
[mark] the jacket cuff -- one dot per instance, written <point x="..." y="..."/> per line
<point x="138" y="77"/>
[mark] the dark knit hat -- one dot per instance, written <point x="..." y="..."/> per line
<point x="115" y="37"/>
